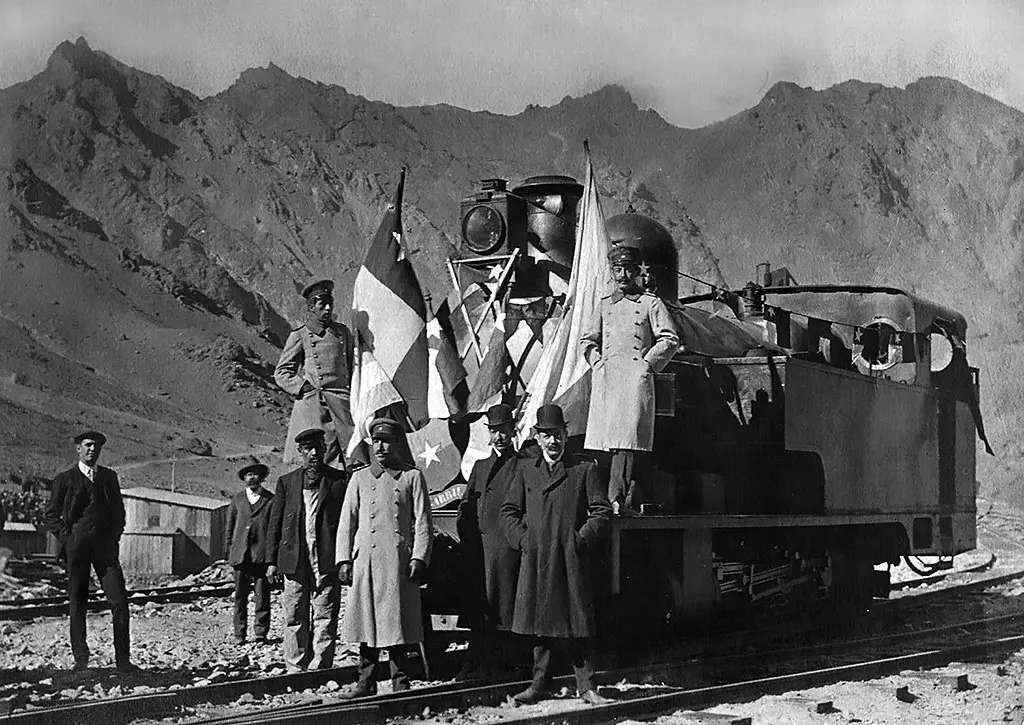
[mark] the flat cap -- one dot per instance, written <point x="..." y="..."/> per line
<point x="252" y="464"/>
<point x="91" y="435"/>
<point x="309" y="435"/>
<point x="498" y="415"/>
<point x="627" y="251"/>
<point x="323" y="286"/>
<point x="386" y="425"/>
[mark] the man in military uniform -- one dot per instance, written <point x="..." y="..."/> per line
<point x="300" y="545"/>
<point x="86" y="514"/>
<point x="630" y="340"/>
<point x="493" y="565"/>
<point x="384" y="543"/>
<point x="316" y="368"/>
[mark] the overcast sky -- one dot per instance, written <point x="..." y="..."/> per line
<point x="694" y="61"/>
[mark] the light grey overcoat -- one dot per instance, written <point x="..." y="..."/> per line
<point x="385" y="523"/>
<point x="632" y="338"/>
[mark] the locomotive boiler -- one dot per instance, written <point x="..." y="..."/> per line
<point x="806" y="435"/>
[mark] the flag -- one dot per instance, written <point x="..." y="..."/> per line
<point x="434" y="452"/>
<point x="490" y="380"/>
<point x="389" y="312"/>
<point x="371" y="392"/>
<point x="447" y="389"/>
<point x="562" y="375"/>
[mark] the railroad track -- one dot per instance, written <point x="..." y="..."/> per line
<point x="20" y="609"/>
<point x="174" y="702"/>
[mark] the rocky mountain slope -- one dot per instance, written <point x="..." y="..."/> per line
<point x="155" y="241"/>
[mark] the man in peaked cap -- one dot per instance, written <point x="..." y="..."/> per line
<point x="246" y="544"/>
<point x="86" y="514"/>
<point x="554" y="514"/>
<point x="300" y="545"/>
<point x="315" y="367"/>
<point x="632" y="338"/>
<point x="491" y="565"/>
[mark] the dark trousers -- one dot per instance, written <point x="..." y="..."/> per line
<point x="252" y="578"/>
<point x="369" y="661"/>
<point x="576" y="650"/>
<point x="627" y="471"/>
<point x="111" y="578"/>
<point x="493" y="652"/>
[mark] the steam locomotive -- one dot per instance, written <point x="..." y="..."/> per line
<point x="806" y="435"/>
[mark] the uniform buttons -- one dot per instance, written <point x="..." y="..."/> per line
<point x="372" y="514"/>
<point x="373" y="546"/>
<point x="373" y="531"/>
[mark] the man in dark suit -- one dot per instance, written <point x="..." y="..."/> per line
<point x="246" y="543"/>
<point x="556" y="511"/>
<point x="86" y="514"/>
<point x="490" y="563"/>
<point x="300" y="544"/>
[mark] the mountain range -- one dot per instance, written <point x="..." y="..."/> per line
<point x="154" y="242"/>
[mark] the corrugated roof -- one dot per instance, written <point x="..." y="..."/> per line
<point x="176" y="499"/>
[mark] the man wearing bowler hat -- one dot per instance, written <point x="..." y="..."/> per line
<point x="246" y="543"/>
<point x="555" y="513"/>
<point x="300" y="545"/>
<point x="632" y="338"/>
<point x="491" y="565"/>
<point x="86" y="514"/>
<point x="316" y="368"/>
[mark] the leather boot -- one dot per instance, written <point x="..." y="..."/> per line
<point x="538" y="689"/>
<point x="366" y="685"/>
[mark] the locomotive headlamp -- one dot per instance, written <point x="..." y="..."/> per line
<point x="483" y="229"/>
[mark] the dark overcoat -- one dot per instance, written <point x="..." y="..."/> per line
<point x="246" y="532"/>
<point x="70" y="495"/>
<point x="555" y="516"/>
<point x="286" y="533"/>
<point x="492" y="566"/>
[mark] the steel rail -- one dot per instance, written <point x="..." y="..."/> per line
<point x="98" y="604"/>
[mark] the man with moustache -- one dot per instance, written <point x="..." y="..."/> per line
<point x="492" y="565"/>
<point x="300" y="545"/>
<point x="632" y="338"/>
<point x="315" y="367"/>
<point x="86" y="514"/>
<point x="246" y="543"/>
<point x="555" y="513"/>
<point x="384" y="542"/>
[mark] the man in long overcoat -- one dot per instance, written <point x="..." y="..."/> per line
<point x="633" y="338"/>
<point x="86" y="514"/>
<point x="492" y="565"/>
<point x="300" y="545"/>
<point x="384" y="543"/>
<point x="316" y="368"/>
<point x="555" y="513"/>
<point x="245" y="540"/>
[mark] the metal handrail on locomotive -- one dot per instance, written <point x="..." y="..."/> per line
<point x="804" y="434"/>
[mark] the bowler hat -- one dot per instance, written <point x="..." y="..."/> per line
<point x="323" y="286"/>
<point x="251" y="464"/>
<point x="550" y="417"/>
<point x="385" y="425"/>
<point x="91" y="435"/>
<point x="499" y="415"/>
<point x="309" y="435"/>
<point x="625" y="252"/>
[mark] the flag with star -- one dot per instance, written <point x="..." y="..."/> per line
<point x="489" y="383"/>
<point x="435" y="454"/>
<point x="389" y="312"/>
<point x="446" y="389"/>
<point x="562" y="375"/>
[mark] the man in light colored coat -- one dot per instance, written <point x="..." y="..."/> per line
<point x="316" y="368"/>
<point x="245" y="540"/>
<point x="300" y="544"/>
<point x="384" y="542"/>
<point x="633" y="338"/>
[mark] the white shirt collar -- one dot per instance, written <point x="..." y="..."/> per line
<point x="253" y="496"/>
<point x="88" y="472"/>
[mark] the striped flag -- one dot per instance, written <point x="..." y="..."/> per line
<point x="447" y="389"/>
<point x="371" y="392"/>
<point x="490" y="380"/>
<point x="389" y="313"/>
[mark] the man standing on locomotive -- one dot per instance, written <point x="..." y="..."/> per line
<point x="494" y="567"/>
<point x="630" y="340"/>
<point x="555" y="513"/>
<point x="384" y="542"/>
<point x="316" y="368"/>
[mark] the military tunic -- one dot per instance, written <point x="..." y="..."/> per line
<point x="323" y="358"/>
<point x="636" y="337"/>
<point x="385" y="523"/>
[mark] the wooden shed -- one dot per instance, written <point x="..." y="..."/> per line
<point x="152" y="516"/>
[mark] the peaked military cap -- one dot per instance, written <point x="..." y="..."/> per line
<point x="386" y="425"/>
<point x="91" y="435"/>
<point x="625" y="251"/>
<point x="251" y="464"/>
<point x="550" y="417"/>
<point x="309" y="435"/>
<point x="498" y="415"/>
<point x="323" y="286"/>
